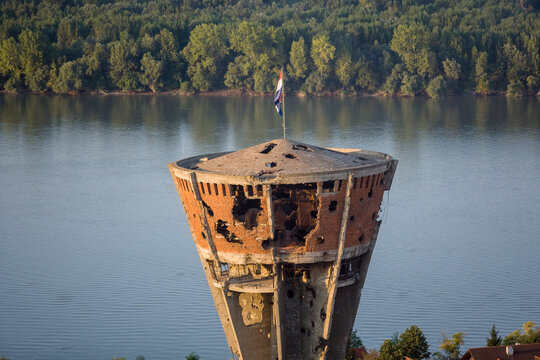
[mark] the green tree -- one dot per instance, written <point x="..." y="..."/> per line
<point x="10" y="64"/>
<point x="481" y="74"/>
<point x="151" y="72"/>
<point x="494" y="339"/>
<point x="452" y="69"/>
<point x="262" y="50"/>
<point x="353" y="342"/>
<point x="390" y="350"/>
<point x="192" y="356"/>
<point x="170" y="58"/>
<point x="516" y="62"/>
<point x="530" y="335"/>
<point x="123" y="68"/>
<point x="322" y="53"/>
<point x="298" y="62"/>
<point x="344" y="70"/>
<point x="410" y="85"/>
<point x="70" y="77"/>
<point x="436" y="87"/>
<point x="450" y="347"/>
<point x="413" y="343"/>
<point x="238" y="74"/>
<point x="205" y="53"/>
<point x="34" y="50"/>
<point x="366" y="77"/>
<point x="413" y="44"/>
<point x="393" y="82"/>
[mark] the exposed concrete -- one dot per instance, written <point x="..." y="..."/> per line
<point x="285" y="232"/>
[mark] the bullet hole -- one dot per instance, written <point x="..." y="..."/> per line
<point x="290" y="224"/>
<point x="208" y="209"/>
<point x="370" y="193"/>
<point x="222" y="228"/>
<point x="311" y="306"/>
<point x="266" y="244"/>
<point x="332" y="206"/>
<point x="290" y="294"/>
<point x="320" y="240"/>
<point x="308" y="332"/>
<point x="302" y="331"/>
<point x="314" y="214"/>
<point x="271" y="164"/>
<point x="301" y="147"/>
<point x="290" y="156"/>
<point x="203" y="235"/>
<point x="361" y="238"/>
<point x="312" y="324"/>
<point x="321" y="346"/>
<point x="268" y="148"/>
<point x="361" y="199"/>
<point x="351" y="218"/>
<point x="323" y="314"/>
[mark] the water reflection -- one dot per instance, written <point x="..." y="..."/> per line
<point x="242" y="121"/>
<point x="93" y="238"/>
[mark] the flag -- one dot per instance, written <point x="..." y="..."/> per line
<point x="278" y="98"/>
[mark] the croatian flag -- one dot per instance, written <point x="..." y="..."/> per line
<point x="277" y="97"/>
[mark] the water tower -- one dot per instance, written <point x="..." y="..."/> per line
<point x="285" y="233"/>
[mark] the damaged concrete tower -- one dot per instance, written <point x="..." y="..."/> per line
<point x="285" y="233"/>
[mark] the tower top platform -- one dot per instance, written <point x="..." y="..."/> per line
<point x="284" y="159"/>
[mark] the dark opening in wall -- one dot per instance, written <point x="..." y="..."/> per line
<point x="301" y="147"/>
<point x="271" y="164"/>
<point x="268" y="148"/>
<point x="332" y="206"/>
<point x="295" y="213"/>
<point x="246" y="210"/>
<point x="290" y="156"/>
<point x="203" y="235"/>
<point x="290" y="294"/>
<point x="328" y="186"/>
<point x="222" y="228"/>
<point x="266" y="244"/>
<point x="320" y="240"/>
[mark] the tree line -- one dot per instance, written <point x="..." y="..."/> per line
<point x="406" y="47"/>
<point x="412" y="344"/>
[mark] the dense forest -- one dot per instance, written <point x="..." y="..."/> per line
<point x="406" y="47"/>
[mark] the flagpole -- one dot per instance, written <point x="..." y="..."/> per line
<point x="283" y="102"/>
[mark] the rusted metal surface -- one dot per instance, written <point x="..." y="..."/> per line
<point x="285" y="232"/>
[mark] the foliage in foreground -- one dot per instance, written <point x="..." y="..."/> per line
<point x="373" y="46"/>
<point x="529" y="335"/>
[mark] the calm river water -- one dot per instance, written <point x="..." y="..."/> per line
<point x="97" y="261"/>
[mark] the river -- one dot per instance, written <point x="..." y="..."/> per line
<point x="97" y="260"/>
